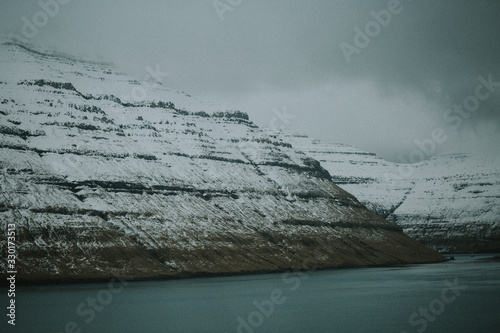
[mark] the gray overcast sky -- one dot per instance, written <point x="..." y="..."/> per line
<point x="286" y="55"/>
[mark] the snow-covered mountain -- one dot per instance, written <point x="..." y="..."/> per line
<point x="449" y="202"/>
<point x="101" y="185"/>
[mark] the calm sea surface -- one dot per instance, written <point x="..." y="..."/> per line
<point x="457" y="296"/>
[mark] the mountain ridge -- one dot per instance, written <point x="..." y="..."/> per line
<point x="449" y="202"/>
<point x="103" y="187"/>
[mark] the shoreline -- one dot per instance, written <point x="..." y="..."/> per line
<point x="495" y="256"/>
<point x="198" y="275"/>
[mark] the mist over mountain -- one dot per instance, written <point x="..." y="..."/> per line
<point x="99" y="185"/>
<point x="283" y="62"/>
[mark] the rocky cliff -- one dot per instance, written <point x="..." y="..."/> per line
<point x="450" y="202"/>
<point x="99" y="185"/>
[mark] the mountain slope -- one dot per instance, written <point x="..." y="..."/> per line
<point x="100" y="186"/>
<point x="450" y="202"/>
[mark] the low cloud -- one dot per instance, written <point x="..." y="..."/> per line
<point x="286" y="53"/>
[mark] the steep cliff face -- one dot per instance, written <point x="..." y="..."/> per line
<point x="450" y="202"/>
<point x="377" y="184"/>
<point x="98" y="185"/>
<point x="454" y="204"/>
